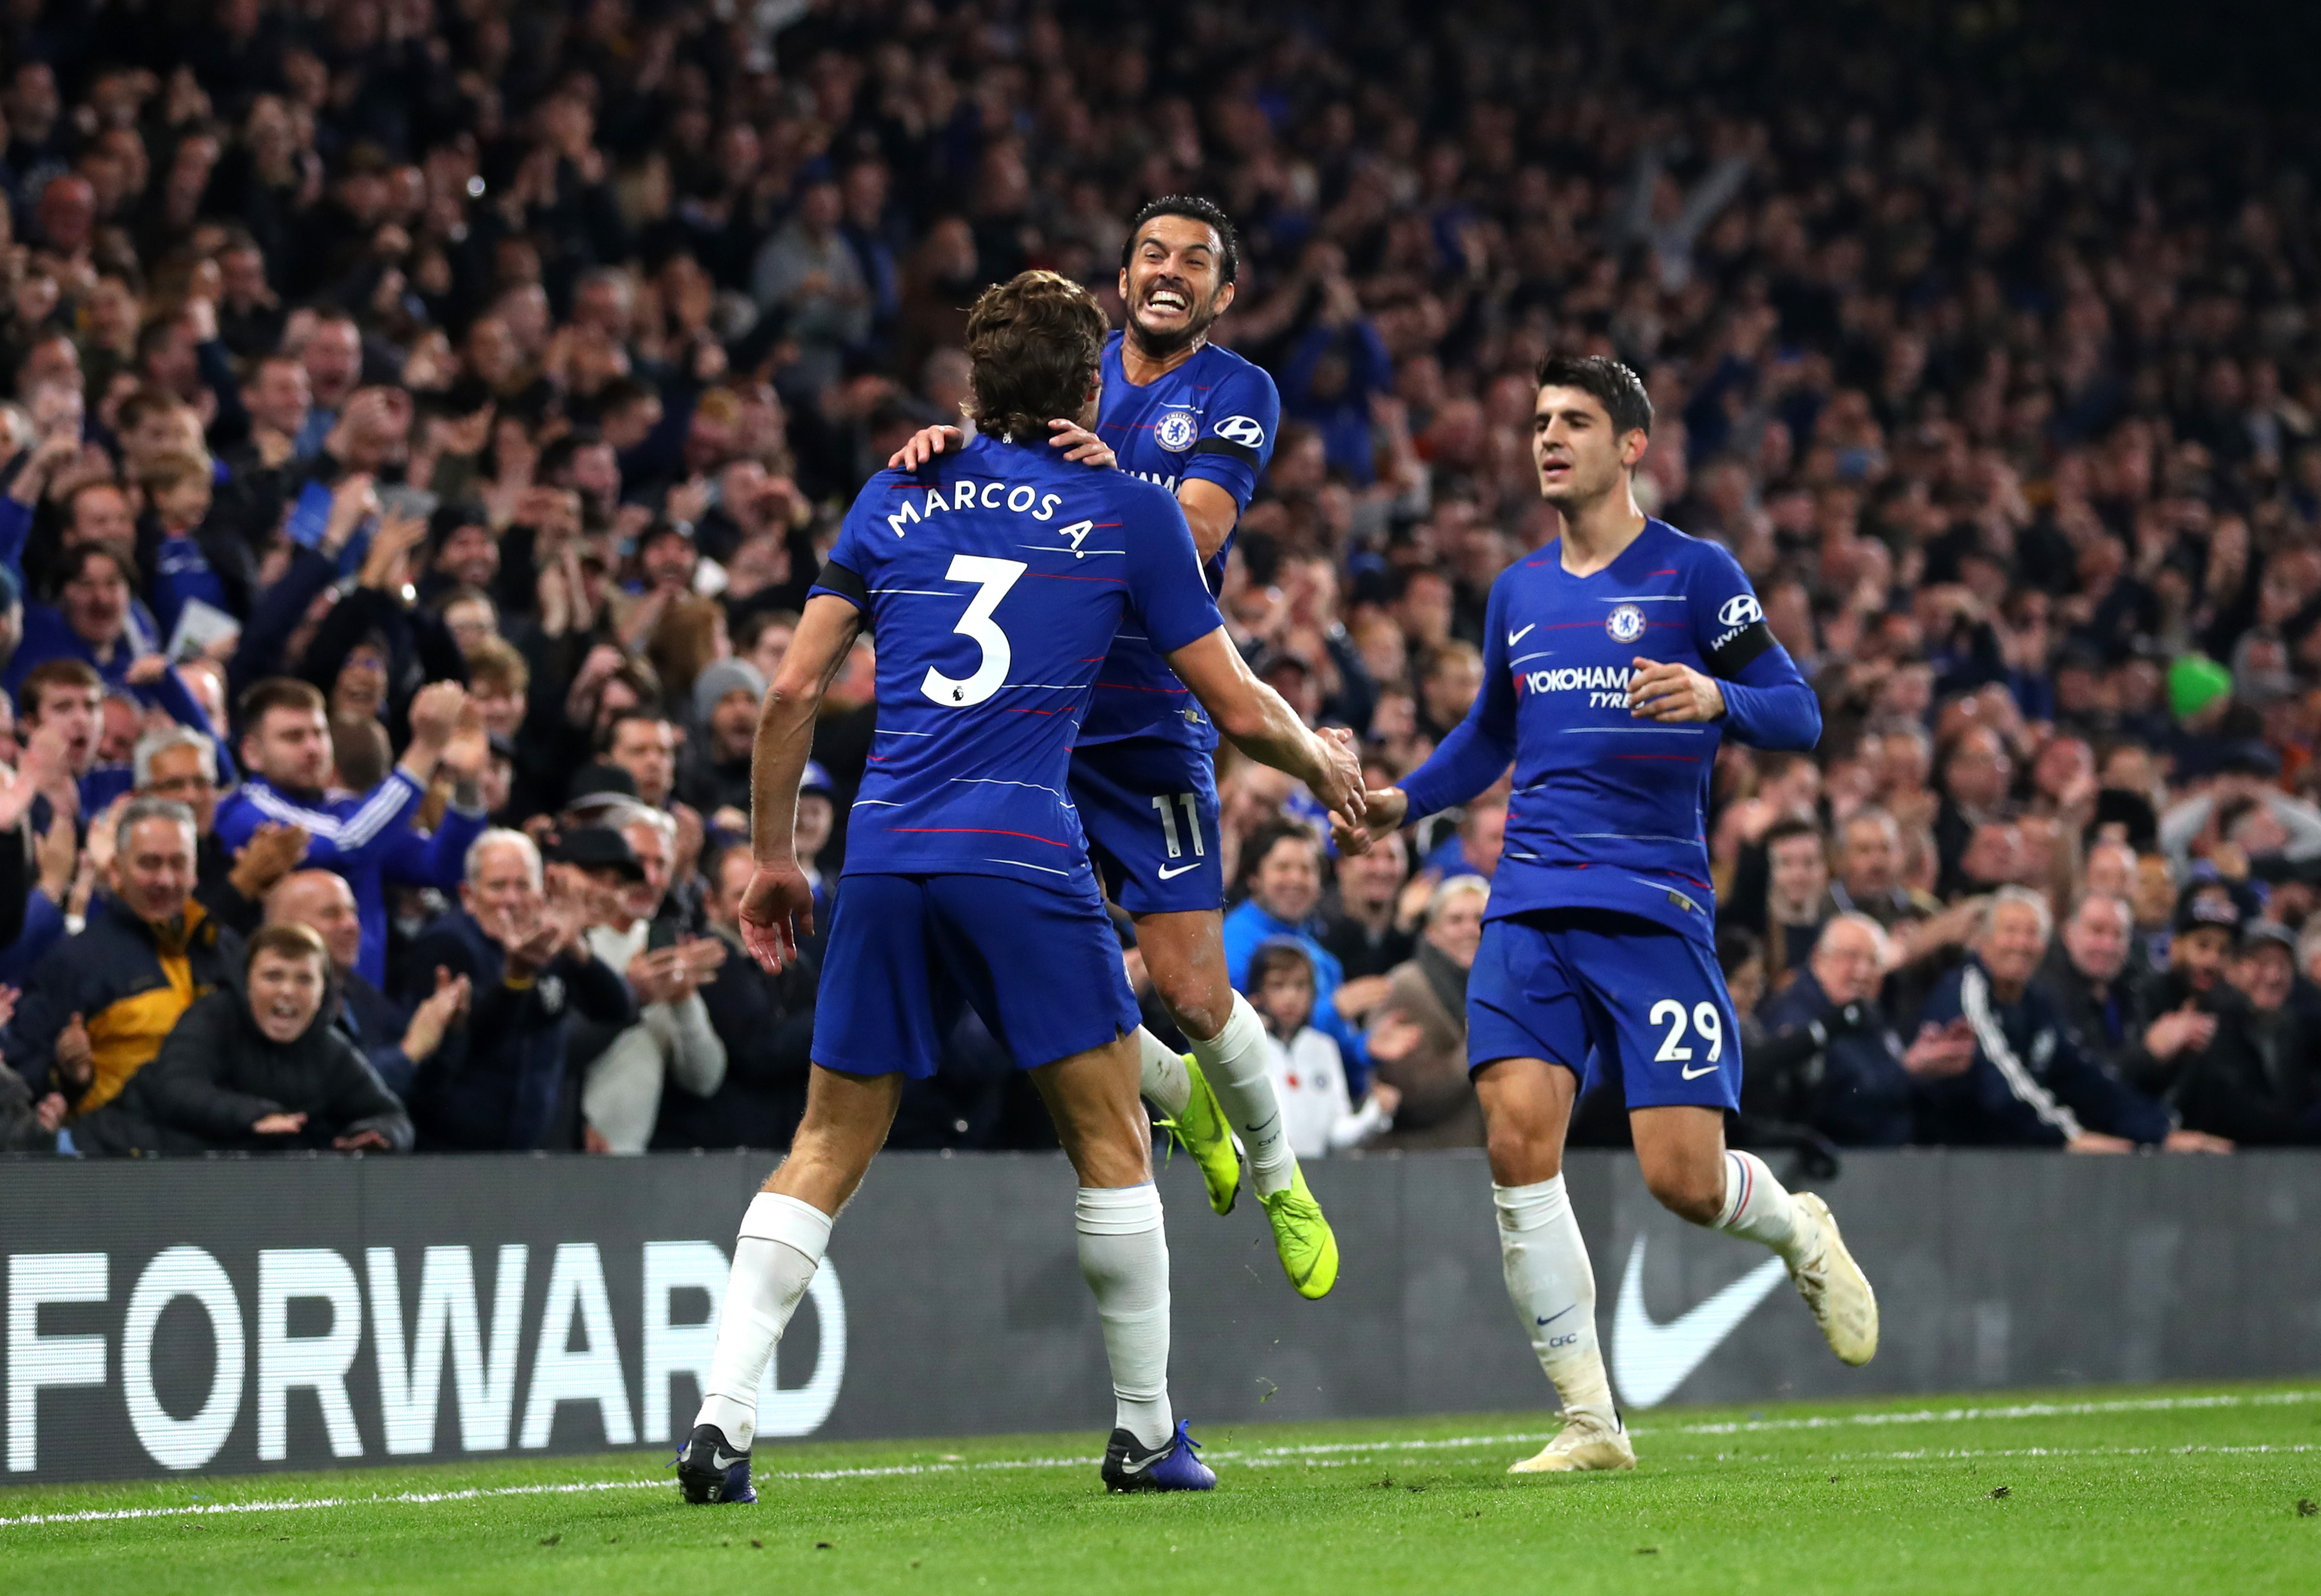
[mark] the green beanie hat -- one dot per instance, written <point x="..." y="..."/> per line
<point x="2194" y="683"/>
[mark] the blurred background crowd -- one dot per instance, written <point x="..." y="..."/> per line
<point x="423" y="419"/>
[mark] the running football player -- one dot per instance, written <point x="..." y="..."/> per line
<point x="1200" y="421"/>
<point x="994" y="579"/>
<point x="1616" y="659"/>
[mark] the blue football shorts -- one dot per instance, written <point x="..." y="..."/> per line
<point x="1041" y="966"/>
<point x="1611" y="997"/>
<point x="1150" y="811"/>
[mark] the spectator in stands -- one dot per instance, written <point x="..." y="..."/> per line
<point x="644" y="744"/>
<point x="97" y="1008"/>
<point x="498" y="1081"/>
<point x="1474" y="848"/>
<point x="1281" y="872"/>
<point x="2221" y="1048"/>
<point x="1864" y="1094"/>
<point x="1418" y="1042"/>
<point x="726" y="700"/>
<point x="672" y="1042"/>
<point x="1977" y="773"/>
<point x="180" y="766"/>
<point x="1370" y="919"/>
<point x="1869" y="879"/>
<point x="2256" y="1083"/>
<point x="766" y="1023"/>
<point x="2097" y="995"/>
<point x="1797" y="892"/>
<point x="1309" y="1076"/>
<point x="366" y="838"/>
<point x="68" y="697"/>
<point x="256" y="1066"/>
<point x="90" y="618"/>
<point x="395" y="1041"/>
<point x="2029" y="1085"/>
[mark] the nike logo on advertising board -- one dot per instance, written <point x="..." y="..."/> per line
<point x="1516" y="636"/>
<point x="1173" y="871"/>
<point x="1706" y="1069"/>
<point x="1649" y="1360"/>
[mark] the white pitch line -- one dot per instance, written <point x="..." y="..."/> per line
<point x="2016" y="1411"/>
<point x="1319" y="1454"/>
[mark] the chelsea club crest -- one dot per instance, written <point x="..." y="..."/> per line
<point x="1626" y="625"/>
<point x="1174" y="431"/>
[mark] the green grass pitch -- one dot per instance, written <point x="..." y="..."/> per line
<point x="2173" y="1489"/>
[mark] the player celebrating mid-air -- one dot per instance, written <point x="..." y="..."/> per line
<point x="1200" y="421"/>
<point x="1615" y="658"/>
<point x="995" y="580"/>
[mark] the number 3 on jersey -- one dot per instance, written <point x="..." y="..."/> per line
<point x="993" y="578"/>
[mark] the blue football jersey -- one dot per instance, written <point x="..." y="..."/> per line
<point x="1214" y="417"/>
<point x="1608" y="810"/>
<point x="993" y="580"/>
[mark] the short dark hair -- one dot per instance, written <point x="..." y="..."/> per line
<point x="73" y="564"/>
<point x="1196" y="208"/>
<point x="1612" y="385"/>
<point x="1735" y="947"/>
<point x="74" y="676"/>
<point x="1790" y="826"/>
<point x="1277" y="953"/>
<point x="287" y="941"/>
<point x="1270" y="835"/>
<point x="649" y="712"/>
<point x="279" y="693"/>
<point x="1034" y="343"/>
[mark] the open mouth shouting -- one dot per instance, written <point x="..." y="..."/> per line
<point x="1168" y="303"/>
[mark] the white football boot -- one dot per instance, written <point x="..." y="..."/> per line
<point x="1834" y="1288"/>
<point x="1586" y="1442"/>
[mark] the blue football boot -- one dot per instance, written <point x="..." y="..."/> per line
<point x="709" y="1470"/>
<point x="1173" y="1465"/>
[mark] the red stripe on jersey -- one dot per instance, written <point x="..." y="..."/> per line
<point x="978" y="831"/>
<point x="1132" y="688"/>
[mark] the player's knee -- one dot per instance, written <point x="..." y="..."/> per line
<point x="1689" y="1192"/>
<point x="1522" y="1154"/>
<point x="1198" y="1002"/>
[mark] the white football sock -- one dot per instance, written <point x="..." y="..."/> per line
<point x="1124" y="1256"/>
<point x="1759" y="1208"/>
<point x="1164" y="1082"/>
<point x="1554" y="1291"/>
<point x="1234" y="1062"/>
<point x="779" y="1247"/>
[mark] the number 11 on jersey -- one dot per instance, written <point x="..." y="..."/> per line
<point x="1169" y="823"/>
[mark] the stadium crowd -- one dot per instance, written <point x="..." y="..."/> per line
<point x="423" y="419"/>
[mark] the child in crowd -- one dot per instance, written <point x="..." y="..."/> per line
<point x="1309" y="1076"/>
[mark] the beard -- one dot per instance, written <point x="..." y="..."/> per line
<point x="1159" y="346"/>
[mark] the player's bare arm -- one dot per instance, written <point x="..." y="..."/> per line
<point x="1670" y="694"/>
<point x="779" y="902"/>
<point x="1079" y="443"/>
<point x="1262" y="725"/>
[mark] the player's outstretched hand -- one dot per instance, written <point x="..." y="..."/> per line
<point x="925" y="445"/>
<point x="1383" y="810"/>
<point x="776" y="907"/>
<point x="1672" y="692"/>
<point x="1081" y="445"/>
<point x="1339" y="787"/>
